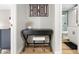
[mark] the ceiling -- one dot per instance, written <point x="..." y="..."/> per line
<point x="66" y="7"/>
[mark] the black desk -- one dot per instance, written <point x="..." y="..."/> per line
<point x="37" y="32"/>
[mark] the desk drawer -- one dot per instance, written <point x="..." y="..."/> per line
<point x="30" y="39"/>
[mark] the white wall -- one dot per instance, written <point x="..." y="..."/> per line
<point x="5" y="6"/>
<point x="48" y="22"/>
<point x="4" y="19"/>
<point x="20" y="24"/>
<point x="40" y="22"/>
<point x="35" y="20"/>
<point x="5" y="10"/>
<point x="72" y="18"/>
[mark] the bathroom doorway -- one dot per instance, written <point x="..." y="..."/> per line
<point x="69" y="29"/>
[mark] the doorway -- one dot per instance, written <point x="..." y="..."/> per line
<point x="69" y="29"/>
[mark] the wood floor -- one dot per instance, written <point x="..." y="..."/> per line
<point x="68" y="50"/>
<point x="37" y="50"/>
<point x="46" y="50"/>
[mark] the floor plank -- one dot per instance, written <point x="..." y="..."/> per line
<point x="67" y="50"/>
<point x="37" y="50"/>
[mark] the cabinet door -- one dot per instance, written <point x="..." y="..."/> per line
<point x="5" y="38"/>
<point x="72" y="33"/>
<point x="72" y="18"/>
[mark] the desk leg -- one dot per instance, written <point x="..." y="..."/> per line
<point x="24" y="47"/>
<point x="50" y="42"/>
<point x="34" y="46"/>
<point x="25" y="43"/>
<point x="43" y="47"/>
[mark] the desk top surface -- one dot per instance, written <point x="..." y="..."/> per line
<point x="37" y="31"/>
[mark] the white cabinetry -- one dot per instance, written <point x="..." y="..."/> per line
<point x="72" y="33"/>
<point x="73" y="25"/>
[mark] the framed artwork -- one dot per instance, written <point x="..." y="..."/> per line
<point x="38" y="10"/>
<point x="33" y="10"/>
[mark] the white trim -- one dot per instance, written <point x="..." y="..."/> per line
<point x="13" y="29"/>
<point x="58" y="29"/>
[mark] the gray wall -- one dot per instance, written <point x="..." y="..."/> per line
<point x="5" y="38"/>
